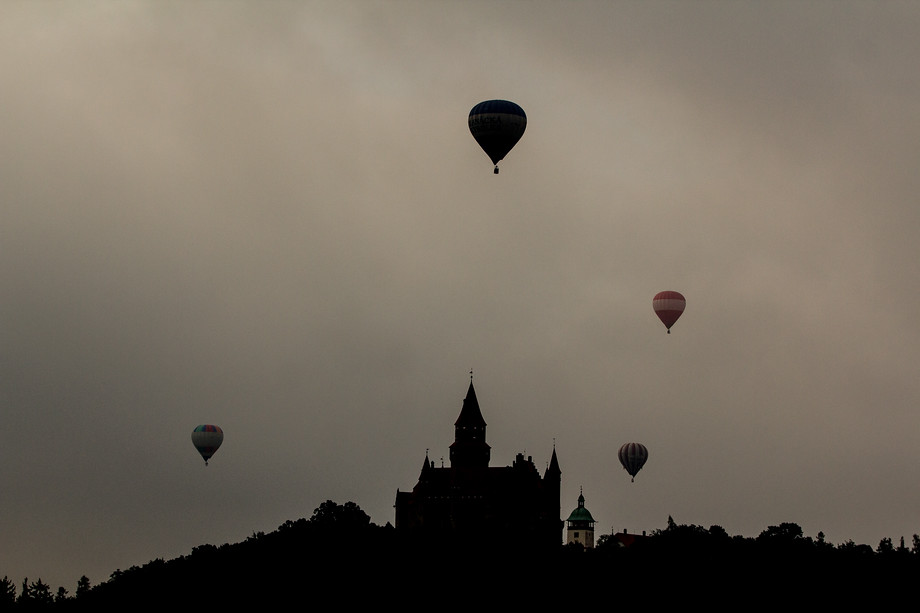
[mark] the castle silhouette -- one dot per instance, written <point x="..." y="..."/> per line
<point x="470" y="503"/>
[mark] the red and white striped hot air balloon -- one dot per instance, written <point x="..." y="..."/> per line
<point x="632" y="457"/>
<point x="668" y="307"/>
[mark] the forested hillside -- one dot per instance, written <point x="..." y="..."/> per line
<point x="340" y="553"/>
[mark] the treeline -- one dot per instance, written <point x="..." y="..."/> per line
<point x="780" y="563"/>
<point x="338" y="552"/>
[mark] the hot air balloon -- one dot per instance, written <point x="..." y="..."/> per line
<point x="206" y="440"/>
<point x="497" y="125"/>
<point x="668" y="307"/>
<point x="633" y="457"/>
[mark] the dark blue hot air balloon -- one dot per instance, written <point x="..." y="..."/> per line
<point x="497" y="125"/>
<point x="206" y="439"/>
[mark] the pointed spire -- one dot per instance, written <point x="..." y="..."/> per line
<point x="470" y="414"/>
<point x="553" y="464"/>
<point x="427" y="463"/>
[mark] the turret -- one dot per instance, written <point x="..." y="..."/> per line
<point x="580" y="525"/>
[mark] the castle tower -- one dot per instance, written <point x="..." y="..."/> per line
<point x="469" y="449"/>
<point x="579" y="527"/>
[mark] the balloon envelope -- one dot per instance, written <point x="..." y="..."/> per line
<point x="497" y="125"/>
<point x="668" y="306"/>
<point x="633" y="457"/>
<point x="207" y="439"/>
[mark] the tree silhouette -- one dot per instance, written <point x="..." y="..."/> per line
<point x="348" y="515"/>
<point x="885" y="546"/>
<point x="35" y="595"/>
<point x="7" y="593"/>
<point x="83" y="586"/>
<point x="785" y="532"/>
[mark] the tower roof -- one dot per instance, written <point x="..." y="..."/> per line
<point x="427" y="464"/>
<point x="581" y="513"/>
<point x="470" y="415"/>
<point x="553" y="467"/>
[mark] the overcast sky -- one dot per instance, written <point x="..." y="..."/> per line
<point x="272" y="217"/>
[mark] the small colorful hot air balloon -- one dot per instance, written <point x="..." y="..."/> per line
<point x="668" y="307"/>
<point x="207" y="439"/>
<point x="632" y="457"/>
<point x="497" y="125"/>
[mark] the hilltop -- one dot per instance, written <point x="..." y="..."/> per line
<point x="339" y="552"/>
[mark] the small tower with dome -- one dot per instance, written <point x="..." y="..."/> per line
<point x="579" y="527"/>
